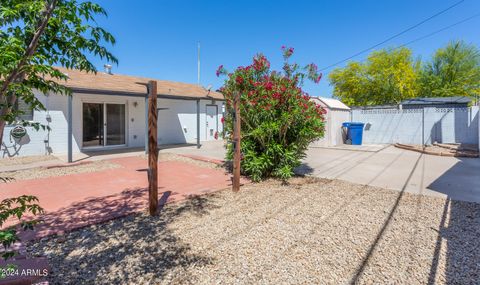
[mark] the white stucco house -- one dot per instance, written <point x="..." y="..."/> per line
<point x="108" y="111"/>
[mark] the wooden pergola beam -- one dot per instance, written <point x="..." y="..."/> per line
<point x="152" y="148"/>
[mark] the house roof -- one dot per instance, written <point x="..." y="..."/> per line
<point x="101" y="82"/>
<point x="332" y="103"/>
<point x="437" y="100"/>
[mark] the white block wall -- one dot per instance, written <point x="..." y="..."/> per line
<point x="34" y="142"/>
<point x="417" y="126"/>
<point x="176" y="125"/>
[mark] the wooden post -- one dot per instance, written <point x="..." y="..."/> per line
<point x="152" y="148"/>
<point x="236" y="142"/>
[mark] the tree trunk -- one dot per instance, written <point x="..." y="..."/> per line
<point x="9" y="100"/>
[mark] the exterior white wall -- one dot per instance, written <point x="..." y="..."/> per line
<point x="135" y="117"/>
<point x="42" y="141"/>
<point x="176" y="125"/>
<point x="333" y="128"/>
<point x="338" y="118"/>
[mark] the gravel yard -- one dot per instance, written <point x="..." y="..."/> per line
<point x="7" y="161"/>
<point x="311" y="231"/>
<point x="43" y="172"/>
<point x="92" y="166"/>
<point x="165" y="156"/>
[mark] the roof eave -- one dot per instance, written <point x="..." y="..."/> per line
<point x="138" y="94"/>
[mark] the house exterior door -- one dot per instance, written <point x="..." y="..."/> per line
<point x="212" y="122"/>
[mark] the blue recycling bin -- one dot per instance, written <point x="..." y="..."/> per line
<point x="354" y="132"/>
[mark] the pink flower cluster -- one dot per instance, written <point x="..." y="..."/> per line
<point x="260" y="63"/>
<point x="313" y="73"/>
<point x="221" y="71"/>
<point x="287" y="52"/>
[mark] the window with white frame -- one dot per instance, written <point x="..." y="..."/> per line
<point x="25" y="112"/>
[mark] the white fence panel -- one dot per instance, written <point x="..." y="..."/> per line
<point x="417" y="126"/>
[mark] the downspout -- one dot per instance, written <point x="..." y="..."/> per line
<point x="146" y="122"/>
<point x="198" y="123"/>
<point x="70" y="130"/>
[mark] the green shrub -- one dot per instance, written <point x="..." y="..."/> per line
<point x="278" y="119"/>
<point x="16" y="208"/>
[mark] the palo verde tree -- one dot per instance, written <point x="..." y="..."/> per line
<point x="35" y="36"/>
<point x="453" y="71"/>
<point x="278" y="119"/>
<point x="388" y="76"/>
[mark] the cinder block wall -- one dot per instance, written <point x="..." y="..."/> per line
<point x="417" y="126"/>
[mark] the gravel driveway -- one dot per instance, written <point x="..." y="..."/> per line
<point x="311" y="231"/>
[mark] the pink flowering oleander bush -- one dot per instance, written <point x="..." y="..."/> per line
<point x="278" y="119"/>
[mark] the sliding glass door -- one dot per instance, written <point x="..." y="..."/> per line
<point x="115" y="124"/>
<point x="93" y="124"/>
<point x="103" y="124"/>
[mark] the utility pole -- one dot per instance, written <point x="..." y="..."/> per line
<point x="152" y="148"/>
<point x="236" y="142"/>
<point x="198" y="63"/>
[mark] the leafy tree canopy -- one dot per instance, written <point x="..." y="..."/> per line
<point x="35" y="35"/>
<point x="388" y="76"/>
<point x="453" y="71"/>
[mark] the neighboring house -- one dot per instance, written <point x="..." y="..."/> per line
<point x="109" y="111"/>
<point x="337" y="113"/>
<point x="438" y="102"/>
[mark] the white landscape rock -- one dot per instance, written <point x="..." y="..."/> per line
<point x="310" y="231"/>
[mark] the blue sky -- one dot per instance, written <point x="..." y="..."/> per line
<point x="159" y="38"/>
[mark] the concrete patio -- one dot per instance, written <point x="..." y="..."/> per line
<point x="376" y="165"/>
<point x="397" y="169"/>
<point x="81" y="199"/>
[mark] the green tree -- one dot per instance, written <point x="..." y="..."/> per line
<point x="36" y="35"/>
<point x="388" y="76"/>
<point x="453" y="71"/>
<point x="279" y="120"/>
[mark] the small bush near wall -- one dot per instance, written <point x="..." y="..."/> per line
<point x="278" y="120"/>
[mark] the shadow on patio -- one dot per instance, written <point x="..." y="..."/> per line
<point x="136" y="247"/>
<point x="98" y="210"/>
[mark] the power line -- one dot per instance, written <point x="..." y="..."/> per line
<point x="394" y="36"/>
<point x="431" y="34"/>
<point x="440" y="30"/>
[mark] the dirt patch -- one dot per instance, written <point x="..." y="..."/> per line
<point x="454" y="150"/>
<point x="304" y="232"/>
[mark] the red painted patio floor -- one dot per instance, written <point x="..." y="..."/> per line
<point x="78" y="200"/>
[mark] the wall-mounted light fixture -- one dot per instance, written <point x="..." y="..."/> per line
<point x="135" y="104"/>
